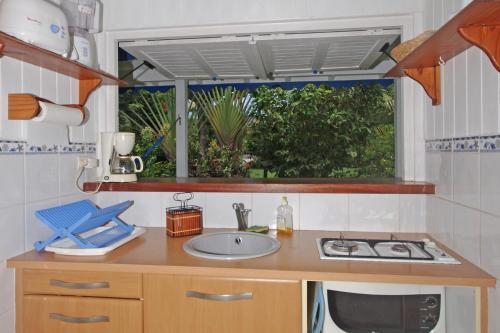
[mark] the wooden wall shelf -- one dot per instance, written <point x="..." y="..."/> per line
<point x="477" y="24"/>
<point x="90" y="79"/>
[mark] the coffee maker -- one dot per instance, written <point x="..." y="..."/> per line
<point x="117" y="163"/>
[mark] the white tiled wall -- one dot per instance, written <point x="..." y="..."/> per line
<point x="32" y="181"/>
<point x="356" y="212"/>
<point x="465" y="213"/>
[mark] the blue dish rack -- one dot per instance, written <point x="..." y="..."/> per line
<point x="73" y="219"/>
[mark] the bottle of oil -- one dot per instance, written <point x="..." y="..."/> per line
<point x="284" y="218"/>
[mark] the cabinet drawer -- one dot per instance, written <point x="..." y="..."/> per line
<point x="66" y="314"/>
<point x="203" y="304"/>
<point x="77" y="283"/>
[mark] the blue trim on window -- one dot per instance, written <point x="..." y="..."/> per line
<point x="124" y="55"/>
<point x="254" y="86"/>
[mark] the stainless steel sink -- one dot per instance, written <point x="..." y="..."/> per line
<point x="235" y="245"/>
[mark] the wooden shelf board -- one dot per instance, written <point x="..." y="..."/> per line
<point x="17" y="49"/>
<point x="446" y="43"/>
<point x="295" y="185"/>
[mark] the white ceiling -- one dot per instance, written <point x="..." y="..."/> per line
<point x="264" y="56"/>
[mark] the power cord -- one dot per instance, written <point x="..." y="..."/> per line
<point x="77" y="182"/>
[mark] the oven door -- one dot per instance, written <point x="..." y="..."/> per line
<point x="385" y="308"/>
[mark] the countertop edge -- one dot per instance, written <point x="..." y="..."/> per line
<point x="267" y="186"/>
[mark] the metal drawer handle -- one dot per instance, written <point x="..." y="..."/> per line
<point x="79" y="320"/>
<point x="76" y="285"/>
<point x="221" y="298"/>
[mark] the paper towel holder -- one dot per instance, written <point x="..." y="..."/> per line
<point x="27" y="106"/>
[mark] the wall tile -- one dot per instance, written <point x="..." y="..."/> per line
<point x="467" y="233"/>
<point x="12" y="235"/>
<point x="444" y="181"/>
<point x="493" y="304"/>
<point x="474" y="91"/>
<point x="490" y="183"/>
<point x="324" y="212"/>
<point x="461" y="96"/>
<point x="372" y="212"/>
<point x="466" y="171"/>
<point x="490" y="244"/>
<point x="35" y="229"/>
<point x="448" y="99"/>
<point x="145" y="212"/>
<point x="8" y="322"/>
<point x="12" y="179"/>
<point x="490" y="97"/>
<point x="11" y="68"/>
<point x="68" y="171"/>
<point x="412" y="213"/>
<point x="219" y="212"/>
<point x="7" y="288"/>
<point x="460" y="309"/>
<point x="439" y="222"/>
<point x="42" y="177"/>
<point x="265" y="206"/>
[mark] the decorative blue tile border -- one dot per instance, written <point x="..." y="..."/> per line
<point x="466" y="144"/>
<point x="20" y="147"/>
<point x="12" y="147"/>
<point x="42" y="149"/>
<point x="490" y="143"/>
<point x="438" y="145"/>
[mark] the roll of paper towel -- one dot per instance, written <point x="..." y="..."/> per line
<point x="58" y="114"/>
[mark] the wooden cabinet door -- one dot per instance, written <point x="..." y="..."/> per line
<point x="204" y="305"/>
<point x="64" y="314"/>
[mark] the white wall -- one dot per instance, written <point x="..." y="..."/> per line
<point x="170" y="13"/>
<point x="337" y="212"/>
<point x="465" y="213"/>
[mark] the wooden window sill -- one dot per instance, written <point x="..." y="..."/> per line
<point x="295" y="185"/>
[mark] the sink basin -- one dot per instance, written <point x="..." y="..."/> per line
<point x="231" y="245"/>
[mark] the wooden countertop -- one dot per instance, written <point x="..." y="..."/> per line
<point x="270" y="185"/>
<point x="297" y="259"/>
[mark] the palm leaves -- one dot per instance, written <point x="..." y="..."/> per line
<point x="227" y="111"/>
<point x="156" y="111"/>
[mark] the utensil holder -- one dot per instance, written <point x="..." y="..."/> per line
<point x="184" y="220"/>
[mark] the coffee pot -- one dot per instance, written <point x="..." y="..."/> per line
<point x="118" y="163"/>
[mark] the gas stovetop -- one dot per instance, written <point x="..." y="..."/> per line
<point x="424" y="251"/>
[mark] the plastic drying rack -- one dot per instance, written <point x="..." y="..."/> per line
<point x="72" y="220"/>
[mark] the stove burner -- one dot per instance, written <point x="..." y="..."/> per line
<point x="400" y="248"/>
<point x="344" y="246"/>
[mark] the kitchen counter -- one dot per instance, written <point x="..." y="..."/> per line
<point x="297" y="259"/>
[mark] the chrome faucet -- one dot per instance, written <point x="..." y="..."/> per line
<point x="241" y="215"/>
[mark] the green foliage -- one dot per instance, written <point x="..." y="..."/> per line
<point x="221" y="161"/>
<point x="308" y="132"/>
<point x="227" y="112"/>
<point x="154" y="165"/>
<point x="318" y="131"/>
<point x="156" y="111"/>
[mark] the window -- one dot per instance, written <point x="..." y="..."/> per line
<point x="333" y="129"/>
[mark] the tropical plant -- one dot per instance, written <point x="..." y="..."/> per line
<point x="322" y="131"/>
<point x="155" y="110"/>
<point x="227" y="111"/>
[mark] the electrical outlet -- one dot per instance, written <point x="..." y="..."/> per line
<point x="87" y="162"/>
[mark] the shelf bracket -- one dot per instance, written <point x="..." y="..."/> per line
<point x="487" y="38"/>
<point x="86" y="88"/>
<point x="430" y="79"/>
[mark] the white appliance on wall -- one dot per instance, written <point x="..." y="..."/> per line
<point x="37" y="22"/>
<point x="83" y="20"/>
<point x="378" y="307"/>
